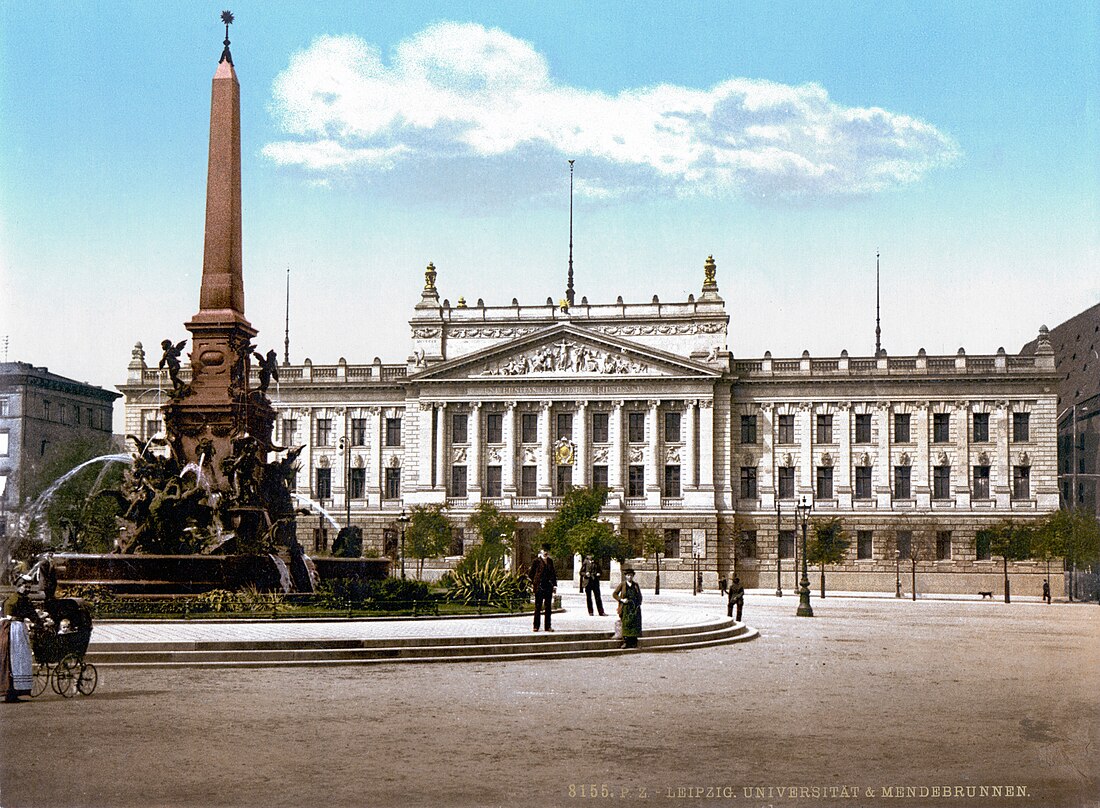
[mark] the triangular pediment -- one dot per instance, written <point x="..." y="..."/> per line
<point x="566" y="352"/>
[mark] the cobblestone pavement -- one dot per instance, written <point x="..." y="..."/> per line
<point x="873" y="697"/>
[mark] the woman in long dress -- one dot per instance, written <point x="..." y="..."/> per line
<point x="15" y="647"/>
<point x="629" y="596"/>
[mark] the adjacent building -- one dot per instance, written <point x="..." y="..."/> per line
<point x="44" y="418"/>
<point x="513" y="404"/>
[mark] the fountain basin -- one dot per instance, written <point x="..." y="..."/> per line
<point x="193" y="574"/>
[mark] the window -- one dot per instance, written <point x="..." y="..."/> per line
<point x="941" y="482"/>
<point x="493" y="487"/>
<point x="824" y="482"/>
<point x="824" y="429"/>
<point x="458" y="481"/>
<point x="3" y="406"/>
<point x="863" y="482"/>
<point x="389" y="543"/>
<point x="981" y="427"/>
<point x="599" y="477"/>
<point x="4" y="443"/>
<point x="748" y="429"/>
<point x="636" y="481"/>
<point x="393" y="484"/>
<point x="529" y="427"/>
<point x="320" y="539"/>
<point x="357" y="483"/>
<point x="748" y="482"/>
<point x="943" y="545"/>
<point x="458" y="544"/>
<point x="1021" y="482"/>
<point x="981" y="482"/>
<point x="672" y="481"/>
<point x="902" y="476"/>
<point x="528" y="481"/>
<point x="599" y="427"/>
<point x="786" y="429"/>
<point x="941" y="427"/>
<point x="564" y="479"/>
<point x="672" y="427"/>
<point x="786" y="544"/>
<point x="672" y="542"/>
<point x="290" y="427"/>
<point x="152" y="427"/>
<point x="1020" y="427"/>
<point x="901" y="427"/>
<point x="904" y="541"/>
<point x="635" y="427"/>
<point x="748" y="544"/>
<point x="863" y="544"/>
<point x="460" y="424"/>
<point x="324" y="431"/>
<point x="565" y="426"/>
<point x="786" y="482"/>
<point x="393" y="431"/>
<point x="76" y="414"/>
<point x="494" y="428"/>
<point x="324" y="484"/>
<point x="46" y="409"/>
<point x="983" y="546"/>
<point x="863" y="427"/>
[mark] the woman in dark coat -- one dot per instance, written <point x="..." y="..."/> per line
<point x="629" y="596"/>
<point x="15" y="648"/>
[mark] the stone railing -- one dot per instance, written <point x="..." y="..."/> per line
<point x="920" y="365"/>
<point x="295" y="374"/>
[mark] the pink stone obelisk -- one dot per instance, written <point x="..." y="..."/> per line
<point x="217" y="406"/>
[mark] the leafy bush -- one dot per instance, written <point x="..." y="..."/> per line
<point x="217" y="600"/>
<point x="342" y="592"/>
<point x="349" y="543"/>
<point x="488" y="583"/>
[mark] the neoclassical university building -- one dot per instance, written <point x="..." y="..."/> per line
<point x="514" y="404"/>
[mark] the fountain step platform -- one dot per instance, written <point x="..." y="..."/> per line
<point x="442" y="648"/>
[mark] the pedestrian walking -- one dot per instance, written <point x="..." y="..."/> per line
<point x="1046" y="590"/>
<point x="544" y="580"/>
<point x="629" y="596"/>
<point x="590" y="584"/>
<point x="736" y="598"/>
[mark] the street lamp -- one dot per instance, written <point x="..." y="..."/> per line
<point x="803" y="512"/>
<point x="897" y="573"/>
<point x="778" y="555"/>
<point x="403" y="520"/>
<point x="345" y="447"/>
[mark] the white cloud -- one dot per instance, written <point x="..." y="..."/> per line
<point x="461" y="92"/>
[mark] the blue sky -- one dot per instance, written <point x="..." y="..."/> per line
<point x="789" y="140"/>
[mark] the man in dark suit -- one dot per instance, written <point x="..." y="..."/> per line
<point x="736" y="598"/>
<point x="590" y="584"/>
<point x="544" y="580"/>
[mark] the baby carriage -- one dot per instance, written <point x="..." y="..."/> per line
<point x="59" y="641"/>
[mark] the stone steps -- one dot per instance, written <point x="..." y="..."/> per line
<point x="556" y="645"/>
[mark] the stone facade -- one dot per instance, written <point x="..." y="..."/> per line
<point x="43" y="415"/>
<point x="513" y="404"/>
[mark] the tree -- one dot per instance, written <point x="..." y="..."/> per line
<point x="349" y="542"/>
<point x="596" y="539"/>
<point x="1053" y="537"/>
<point x="580" y="505"/>
<point x="428" y="534"/>
<point x="1011" y="540"/>
<point x="1083" y="542"/>
<point x="828" y="546"/>
<point x="922" y="547"/>
<point x="652" y="541"/>
<point x="496" y="532"/>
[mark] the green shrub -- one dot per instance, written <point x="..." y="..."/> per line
<point x="217" y="600"/>
<point x="490" y="584"/>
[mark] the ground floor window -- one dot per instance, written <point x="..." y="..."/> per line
<point x="943" y="545"/>
<point x="748" y="544"/>
<point x="389" y="543"/>
<point x="983" y="545"/>
<point x="863" y="544"/>
<point x="672" y="542"/>
<point x="786" y="544"/>
<point x="904" y="540"/>
<point x="457" y="542"/>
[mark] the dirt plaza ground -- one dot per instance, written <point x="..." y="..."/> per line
<point x="874" y="702"/>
